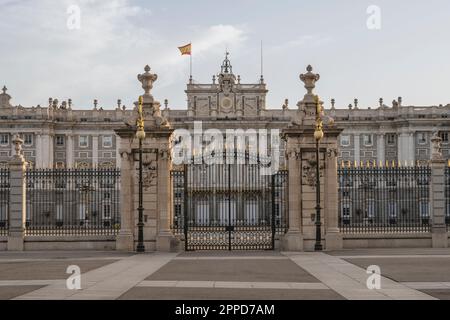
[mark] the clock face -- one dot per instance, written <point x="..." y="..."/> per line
<point x="226" y="103"/>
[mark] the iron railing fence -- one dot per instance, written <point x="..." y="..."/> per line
<point x="64" y="202"/>
<point x="447" y="195"/>
<point x="384" y="199"/>
<point x="229" y="206"/>
<point x="4" y="201"/>
<point x="181" y="191"/>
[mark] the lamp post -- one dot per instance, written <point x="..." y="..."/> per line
<point x="318" y="135"/>
<point x="140" y="134"/>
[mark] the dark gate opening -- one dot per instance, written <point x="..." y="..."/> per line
<point x="232" y="205"/>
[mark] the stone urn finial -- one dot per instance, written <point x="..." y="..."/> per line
<point x="436" y="152"/>
<point x="309" y="79"/>
<point x="147" y="80"/>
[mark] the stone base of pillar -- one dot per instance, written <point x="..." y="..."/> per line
<point x="125" y="241"/>
<point x="292" y="241"/>
<point x="333" y="241"/>
<point x="167" y="243"/>
<point x="15" y="242"/>
<point x="439" y="238"/>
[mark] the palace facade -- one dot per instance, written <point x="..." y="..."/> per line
<point x="58" y="135"/>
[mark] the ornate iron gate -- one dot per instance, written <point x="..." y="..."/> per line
<point x="230" y="205"/>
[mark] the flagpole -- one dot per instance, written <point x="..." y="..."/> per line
<point x="190" y="65"/>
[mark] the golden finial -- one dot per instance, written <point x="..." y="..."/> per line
<point x="355" y="165"/>
<point x="140" y="133"/>
<point x="448" y="163"/>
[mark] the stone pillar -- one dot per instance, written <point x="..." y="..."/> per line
<point x="51" y="152"/>
<point x="39" y="151"/>
<point x="437" y="195"/>
<point x="118" y="157"/>
<point x="293" y="240"/>
<point x="17" y="207"/>
<point x="95" y="151"/>
<point x="156" y="165"/>
<point x="302" y="164"/>
<point x="381" y="152"/>
<point x="165" y="240"/>
<point x="125" y="238"/>
<point x="357" y="150"/>
<point x="333" y="237"/>
<point x="69" y="151"/>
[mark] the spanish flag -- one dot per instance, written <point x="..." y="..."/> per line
<point x="187" y="49"/>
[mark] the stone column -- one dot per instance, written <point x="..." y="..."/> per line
<point x="357" y="150"/>
<point x="17" y="207"/>
<point x="333" y="237"/>
<point x="51" y="153"/>
<point x="437" y="195"/>
<point x="39" y="151"/>
<point x="95" y="151"/>
<point x="118" y="157"/>
<point x="125" y="238"/>
<point x="381" y="152"/>
<point x="293" y="240"/>
<point x="69" y="151"/>
<point x="165" y="240"/>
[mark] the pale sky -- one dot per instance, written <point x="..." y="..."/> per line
<point x="40" y="57"/>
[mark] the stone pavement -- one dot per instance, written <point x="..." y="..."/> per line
<point x="406" y="274"/>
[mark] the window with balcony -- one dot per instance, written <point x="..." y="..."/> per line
<point x="345" y="141"/>
<point x="83" y="141"/>
<point x="368" y="139"/>
<point x="4" y="139"/>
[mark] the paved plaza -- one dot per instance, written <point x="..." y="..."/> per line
<point x="421" y="274"/>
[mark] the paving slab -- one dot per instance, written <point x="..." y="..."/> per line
<point x="441" y="294"/>
<point x="241" y="270"/>
<point x="10" y="292"/>
<point x="350" y="280"/>
<point x="43" y="270"/>
<point x="390" y="251"/>
<point x="108" y="282"/>
<point x="406" y="269"/>
<point x="151" y="293"/>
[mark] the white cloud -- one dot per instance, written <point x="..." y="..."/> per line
<point x="99" y="61"/>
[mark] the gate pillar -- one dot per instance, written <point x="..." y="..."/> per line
<point x="156" y="163"/>
<point x="301" y="156"/>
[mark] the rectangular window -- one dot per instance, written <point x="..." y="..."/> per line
<point x="444" y="137"/>
<point x="391" y="138"/>
<point x="107" y="141"/>
<point x="4" y="139"/>
<point x="424" y="213"/>
<point x="60" y="141"/>
<point x="28" y="139"/>
<point x="106" y="211"/>
<point x="368" y="139"/>
<point x="83" y="141"/>
<point x="370" y="208"/>
<point x="346" y="211"/>
<point x="392" y="209"/>
<point x="83" y="155"/>
<point x="422" y="137"/>
<point x="59" y="212"/>
<point x="345" y="141"/>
